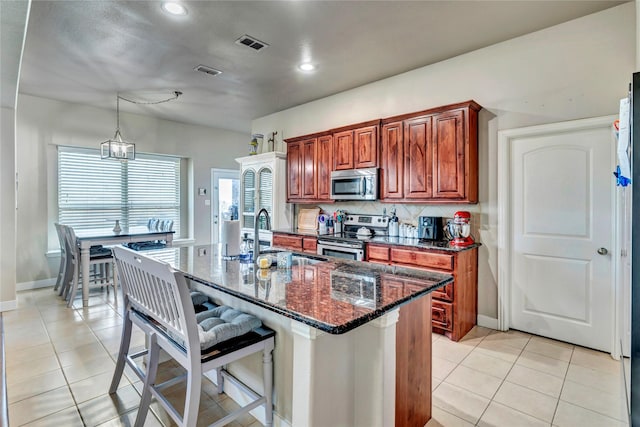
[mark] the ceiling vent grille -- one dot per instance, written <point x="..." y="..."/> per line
<point x="251" y="42"/>
<point x="208" y="70"/>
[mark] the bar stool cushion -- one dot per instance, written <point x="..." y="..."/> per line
<point x="198" y="298"/>
<point x="223" y="323"/>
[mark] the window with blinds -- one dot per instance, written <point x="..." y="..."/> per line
<point x="93" y="193"/>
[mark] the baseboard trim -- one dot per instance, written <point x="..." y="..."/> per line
<point x="44" y="283"/>
<point x="487" y="322"/>
<point x="8" y="305"/>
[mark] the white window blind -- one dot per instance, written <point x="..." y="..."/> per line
<point x="93" y="193"/>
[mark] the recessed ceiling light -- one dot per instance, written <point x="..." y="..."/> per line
<point x="174" y="8"/>
<point x="307" y="66"/>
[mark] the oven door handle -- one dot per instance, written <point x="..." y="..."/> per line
<point x="339" y="244"/>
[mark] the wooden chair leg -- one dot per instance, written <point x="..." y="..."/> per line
<point x="149" y="380"/>
<point x="125" y="343"/>
<point x="267" y="367"/>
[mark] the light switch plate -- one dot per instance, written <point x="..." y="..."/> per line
<point x="202" y="191"/>
<point x="202" y="251"/>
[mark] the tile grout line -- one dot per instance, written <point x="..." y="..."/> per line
<point x="502" y="382"/>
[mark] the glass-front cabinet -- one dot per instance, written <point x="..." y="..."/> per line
<point x="262" y="185"/>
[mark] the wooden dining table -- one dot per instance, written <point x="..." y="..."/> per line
<point x="106" y="236"/>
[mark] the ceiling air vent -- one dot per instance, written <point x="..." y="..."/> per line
<point x="251" y="42"/>
<point x="208" y="70"/>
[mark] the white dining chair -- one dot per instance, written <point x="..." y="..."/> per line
<point x="64" y="272"/>
<point x="157" y="300"/>
<point x="101" y="260"/>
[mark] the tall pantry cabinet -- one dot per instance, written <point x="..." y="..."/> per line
<point x="262" y="185"/>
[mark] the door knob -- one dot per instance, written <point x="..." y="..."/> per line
<point x="602" y="251"/>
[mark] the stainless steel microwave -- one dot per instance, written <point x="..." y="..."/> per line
<point x="355" y="184"/>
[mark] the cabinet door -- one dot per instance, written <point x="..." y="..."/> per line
<point x="309" y="179"/>
<point x="264" y="188"/>
<point x="343" y="150"/>
<point x="449" y="155"/>
<point x="286" y="241"/>
<point x="418" y="158"/>
<point x="248" y="207"/>
<point x="294" y="171"/>
<point x="365" y="150"/>
<point x="324" y="166"/>
<point x="392" y="161"/>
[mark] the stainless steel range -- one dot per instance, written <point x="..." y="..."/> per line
<point x="351" y="243"/>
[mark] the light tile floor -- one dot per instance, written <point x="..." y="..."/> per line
<point x="60" y="362"/>
<point x="514" y="379"/>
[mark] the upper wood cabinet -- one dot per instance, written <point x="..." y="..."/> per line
<point x="426" y="157"/>
<point x="431" y="156"/>
<point x="392" y="161"/>
<point x="418" y="156"/>
<point x="343" y="150"/>
<point x="356" y="147"/>
<point x="324" y="157"/>
<point x="301" y="170"/>
<point x="449" y="153"/>
<point x="309" y="168"/>
<point x="294" y="171"/>
<point x="365" y="150"/>
<point x="309" y="172"/>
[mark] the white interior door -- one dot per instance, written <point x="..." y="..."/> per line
<point x="226" y="198"/>
<point x="562" y="234"/>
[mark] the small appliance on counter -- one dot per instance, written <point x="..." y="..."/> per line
<point x="430" y="227"/>
<point x="459" y="229"/>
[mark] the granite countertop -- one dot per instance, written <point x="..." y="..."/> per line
<point x="442" y="245"/>
<point x="330" y="294"/>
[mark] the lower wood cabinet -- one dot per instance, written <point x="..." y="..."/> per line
<point x="294" y="242"/>
<point x="454" y="310"/>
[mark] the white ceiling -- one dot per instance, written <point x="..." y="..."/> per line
<point x="87" y="51"/>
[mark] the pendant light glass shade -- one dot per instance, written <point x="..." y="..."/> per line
<point x="116" y="148"/>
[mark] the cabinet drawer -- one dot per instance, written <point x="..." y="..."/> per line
<point x="445" y="293"/>
<point x="377" y="253"/>
<point x="422" y="259"/>
<point x="442" y="315"/>
<point x="286" y="241"/>
<point x="309" y="244"/>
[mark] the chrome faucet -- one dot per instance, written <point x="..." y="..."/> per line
<point x="256" y="233"/>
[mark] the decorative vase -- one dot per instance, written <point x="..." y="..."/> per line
<point x="117" y="228"/>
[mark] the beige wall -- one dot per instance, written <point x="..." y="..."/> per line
<point x="42" y="124"/>
<point x="574" y="70"/>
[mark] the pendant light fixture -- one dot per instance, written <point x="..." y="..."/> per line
<point x="117" y="148"/>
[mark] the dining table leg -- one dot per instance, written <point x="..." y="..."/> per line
<point x="84" y="260"/>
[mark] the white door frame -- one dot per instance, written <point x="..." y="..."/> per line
<point x="505" y="227"/>
<point x="222" y="173"/>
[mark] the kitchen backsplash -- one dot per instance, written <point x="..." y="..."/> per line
<point x="407" y="213"/>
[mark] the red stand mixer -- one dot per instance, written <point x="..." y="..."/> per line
<point x="459" y="229"/>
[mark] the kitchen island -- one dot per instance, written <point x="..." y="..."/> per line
<point x="340" y="325"/>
